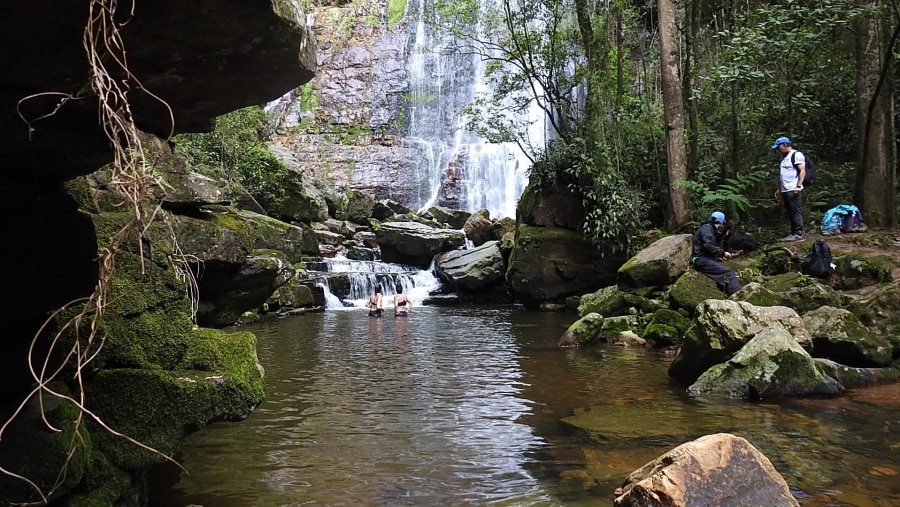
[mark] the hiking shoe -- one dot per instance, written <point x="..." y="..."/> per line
<point x="792" y="237"/>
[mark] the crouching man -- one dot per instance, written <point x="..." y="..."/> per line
<point x="707" y="258"/>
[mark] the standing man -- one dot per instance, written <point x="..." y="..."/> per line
<point x="707" y="257"/>
<point x="792" y="171"/>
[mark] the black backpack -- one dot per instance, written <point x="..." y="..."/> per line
<point x="811" y="169"/>
<point x="818" y="262"/>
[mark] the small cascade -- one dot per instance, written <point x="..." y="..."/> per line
<point x="331" y="301"/>
<point x="348" y="283"/>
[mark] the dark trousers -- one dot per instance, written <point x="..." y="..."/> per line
<point x="791" y="201"/>
<point x="715" y="269"/>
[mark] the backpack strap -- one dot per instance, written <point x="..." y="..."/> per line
<point x="793" y="158"/>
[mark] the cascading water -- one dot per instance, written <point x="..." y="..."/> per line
<point x="443" y="81"/>
<point x="348" y="283"/>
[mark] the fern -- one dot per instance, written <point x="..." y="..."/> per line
<point x="731" y="196"/>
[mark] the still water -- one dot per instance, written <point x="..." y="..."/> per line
<point x="464" y="406"/>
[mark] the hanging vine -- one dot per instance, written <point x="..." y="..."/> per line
<point x="111" y="81"/>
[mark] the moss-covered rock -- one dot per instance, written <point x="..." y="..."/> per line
<point x="879" y="311"/>
<point x="758" y="295"/>
<point x="549" y="264"/>
<point x="611" y="301"/>
<point x="218" y="379"/>
<point x="666" y="327"/>
<point x="839" y="335"/>
<point x="771" y="365"/>
<point x="807" y="297"/>
<point x="691" y="289"/>
<point x="583" y="331"/>
<point x="41" y="441"/>
<point x="721" y="328"/>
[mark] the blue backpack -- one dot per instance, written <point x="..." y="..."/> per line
<point x="812" y="172"/>
<point x="843" y="218"/>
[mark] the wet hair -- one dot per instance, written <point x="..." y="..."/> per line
<point x="399" y="289"/>
<point x="378" y="289"/>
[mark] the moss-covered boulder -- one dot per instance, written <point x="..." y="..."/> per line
<point x="144" y="369"/>
<point x="549" y="264"/>
<point x="771" y="365"/>
<point x="879" y="311"/>
<point x="217" y="379"/>
<point x="809" y="296"/>
<point x="666" y="327"/>
<point x="850" y="376"/>
<point x="721" y="328"/>
<point x="611" y="301"/>
<point x="661" y="263"/>
<point x="583" y="331"/>
<point x="691" y="289"/>
<point x="758" y="294"/>
<point x="271" y="234"/>
<point x="293" y="294"/>
<point x="839" y="335"/>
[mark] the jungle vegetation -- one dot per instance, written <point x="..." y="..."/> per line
<point x="664" y="111"/>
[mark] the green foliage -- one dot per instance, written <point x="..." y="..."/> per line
<point x="395" y="9"/>
<point x="783" y="68"/>
<point x="237" y="150"/>
<point x="831" y="188"/>
<point x="730" y="196"/>
<point x="615" y="211"/>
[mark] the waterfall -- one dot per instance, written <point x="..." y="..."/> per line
<point x="443" y="81"/>
<point x="348" y="283"/>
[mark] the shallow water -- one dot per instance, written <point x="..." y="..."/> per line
<point x="472" y="406"/>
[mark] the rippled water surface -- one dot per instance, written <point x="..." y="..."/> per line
<point x="477" y="406"/>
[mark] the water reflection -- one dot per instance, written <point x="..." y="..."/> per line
<point x="475" y="406"/>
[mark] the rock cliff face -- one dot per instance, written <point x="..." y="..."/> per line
<point x="201" y="58"/>
<point x="186" y="63"/>
<point x="351" y="125"/>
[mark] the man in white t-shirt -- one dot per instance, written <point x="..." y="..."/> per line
<point x="792" y="171"/>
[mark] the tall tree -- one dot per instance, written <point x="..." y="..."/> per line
<point x="877" y="169"/>
<point x="677" y="205"/>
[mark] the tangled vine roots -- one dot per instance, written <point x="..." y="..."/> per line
<point x="132" y="177"/>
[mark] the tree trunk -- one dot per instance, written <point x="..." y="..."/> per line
<point x="876" y="166"/>
<point x="674" y="112"/>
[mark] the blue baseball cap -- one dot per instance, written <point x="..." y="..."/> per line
<point x="718" y="216"/>
<point x="780" y="141"/>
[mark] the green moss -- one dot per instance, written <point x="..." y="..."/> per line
<point x="666" y="327"/>
<point x="219" y="379"/>
<point x="105" y="485"/>
<point x="79" y="189"/>
<point x="395" y="10"/>
<point x="241" y="229"/>
<point x="28" y="441"/>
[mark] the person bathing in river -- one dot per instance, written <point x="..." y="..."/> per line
<point x="402" y="303"/>
<point x="374" y="303"/>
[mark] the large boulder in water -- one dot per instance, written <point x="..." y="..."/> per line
<point x="718" y="469"/>
<point x="548" y="264"/>
<point x="414" y="243"/>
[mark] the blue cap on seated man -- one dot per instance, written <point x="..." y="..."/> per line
<point x="718" y="216"/>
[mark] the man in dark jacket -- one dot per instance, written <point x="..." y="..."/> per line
<point x="707" y="257"/>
